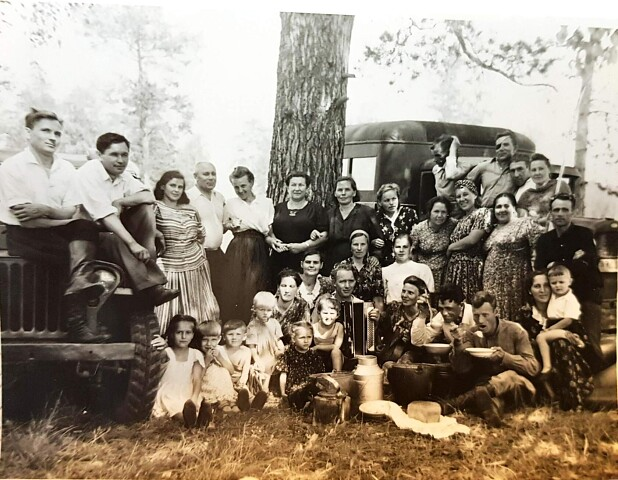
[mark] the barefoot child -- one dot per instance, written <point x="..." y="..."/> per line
<point x="563" y="312"/>
<point x="179" y="387"/>
<point x="264" y="337"/>
<point x="217" y="388"/>
<point x="328" y="333"/>
<point x="296" y="365"/>
<point x="236" y="358"/>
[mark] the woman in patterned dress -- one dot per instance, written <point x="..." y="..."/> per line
<point x="509" y="252"/>
<point x="393" y="219"/>
<point x="291" y="308"/>
<point x="367" y="270"/>
<point x="465" y="252"/>
<point x="431" y="237"/>
<point x="572" y="381"/>
<point x="183" y="259"/>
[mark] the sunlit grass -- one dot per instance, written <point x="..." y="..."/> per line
<point x="279" y="444"/>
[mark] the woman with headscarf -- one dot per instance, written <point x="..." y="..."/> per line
<point x="465" y="252"/>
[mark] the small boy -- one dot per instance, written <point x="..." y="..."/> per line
<point x="217" y="388"/>
<point x="563" y="311"/>
<point x="236" y="358"/>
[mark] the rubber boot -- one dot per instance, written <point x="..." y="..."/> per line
<point x="82" y="278"/>
<point x="77" y="323"/>
<point x="461" y="402"/>
<point x="478" y="400"/>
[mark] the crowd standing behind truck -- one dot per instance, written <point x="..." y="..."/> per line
<point x="463" y="169"/>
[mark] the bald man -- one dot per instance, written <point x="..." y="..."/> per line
<point x="209" y="204"/>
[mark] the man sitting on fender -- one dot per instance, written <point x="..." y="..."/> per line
<point x="40" y="225"/>
<point x="122" y="205"/>
<point x="505" y="370"/>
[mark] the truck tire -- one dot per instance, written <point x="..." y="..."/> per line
<point x="144" y="371"/>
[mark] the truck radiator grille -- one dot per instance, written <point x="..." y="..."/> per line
<point x="31" y="298"/>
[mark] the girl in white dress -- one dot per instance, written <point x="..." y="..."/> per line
<point x="179" y="388"/>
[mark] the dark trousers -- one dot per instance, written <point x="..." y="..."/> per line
<point x="216" y="262"/>
<point x="49" y="245"/>
<point x="140" y="223"/>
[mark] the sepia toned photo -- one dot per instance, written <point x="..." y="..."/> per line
<point x="308" y="241"/>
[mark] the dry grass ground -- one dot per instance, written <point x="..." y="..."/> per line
<point x="279" y="444"/>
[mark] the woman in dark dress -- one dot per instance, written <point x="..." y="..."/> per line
<point x="345" y="217"/>
<point x="571" y="381"/>
<point x="393" y="219"/>
<point x="298" y="225"/>
<point x="249" y="218"/>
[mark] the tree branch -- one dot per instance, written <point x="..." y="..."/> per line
<point x="477" y="61"/>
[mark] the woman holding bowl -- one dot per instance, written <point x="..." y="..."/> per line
<point x="183" y="258"/>
<point x="465" y="252"/>
<point x="431" y="237"/>
<point x="298" y="225"/>
<point x="393" y="219"/>
<point x="346" y="216"/>
<point x="249" y="218"/>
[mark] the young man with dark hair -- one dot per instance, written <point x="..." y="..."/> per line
<point x="40" y="219"/>
<point x="504" y="371"/>
<point x="122" y="206"/>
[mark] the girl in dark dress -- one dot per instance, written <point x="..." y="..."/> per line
<point x="298" y="225"/>
<point x="345" y="217"/>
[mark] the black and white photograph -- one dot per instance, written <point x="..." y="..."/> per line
<point x="308" y="240"/>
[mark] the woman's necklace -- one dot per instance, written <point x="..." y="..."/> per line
<point x="294" y="207"/>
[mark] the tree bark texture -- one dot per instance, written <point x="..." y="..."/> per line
<point x="586" y="73"/>
<point x="309" y="125"/>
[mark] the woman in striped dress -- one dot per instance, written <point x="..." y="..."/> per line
<point x="183" y="259"/>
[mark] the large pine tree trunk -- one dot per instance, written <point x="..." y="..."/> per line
<point x="308" y="131"/>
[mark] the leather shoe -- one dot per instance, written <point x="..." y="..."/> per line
<point x="487" y="408"/>
<point x="158" y="295"/>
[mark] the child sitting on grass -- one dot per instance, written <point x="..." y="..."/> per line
<point x="328" y="333"/>
<point x="217" y="388"/>
<point x="296" y="365"/>
<point x="563" y="312"/>
<point x="236" y="358"/>
<point x="179" y="387"/>
<point x="264" y="337"/>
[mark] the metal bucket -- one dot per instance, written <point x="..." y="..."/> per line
<point x="345" y="381"/>
<point x="411" y="382"/>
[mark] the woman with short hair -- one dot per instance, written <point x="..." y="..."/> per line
<point x="393" y="218"/>
<point x="345" y="217"/>
<point x="299" y="224"/>
<point x="249" y="218"/>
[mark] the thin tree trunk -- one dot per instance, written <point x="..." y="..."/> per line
<point x="309" y="126"/>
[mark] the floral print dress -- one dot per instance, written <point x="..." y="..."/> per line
<point x="465" y="268"/>
<point x="405" y="219"/>
<point x="508" y="263"/>
<point x="430" y="246"/>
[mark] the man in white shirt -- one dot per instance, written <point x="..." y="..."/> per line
<point x="394" y="275"/>
<point x="209" y="204"/>
<point x="40" y="224"/>
<point x="122" y="205"/>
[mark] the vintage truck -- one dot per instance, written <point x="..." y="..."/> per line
<point x="399" y="152"/>
<point x="119" y="378"/>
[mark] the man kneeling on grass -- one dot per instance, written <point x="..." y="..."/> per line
<point x="502" y="374"/>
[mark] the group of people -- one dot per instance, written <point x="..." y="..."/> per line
<point x="301" y="289"/>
